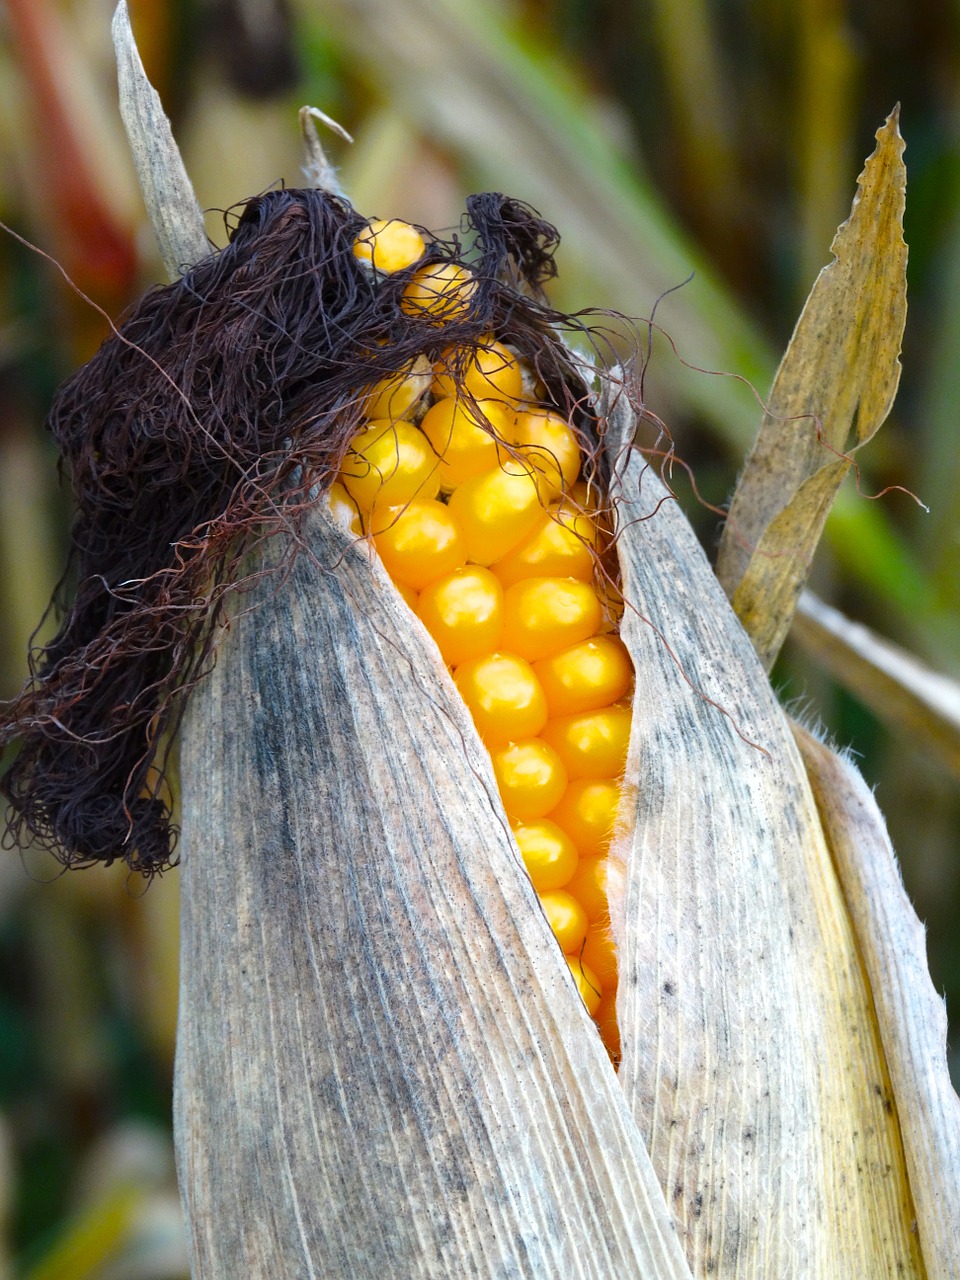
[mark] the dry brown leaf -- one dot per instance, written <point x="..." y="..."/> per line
<point x="833" y="390"/>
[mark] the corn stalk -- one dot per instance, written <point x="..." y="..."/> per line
<point x="382" y="1065"/>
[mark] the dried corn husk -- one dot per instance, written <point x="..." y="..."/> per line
<point x="899" y="688"/>
<point x="752" y="1059"/>
<point x="911" y="1017"/>
<point x="833" y="390"/>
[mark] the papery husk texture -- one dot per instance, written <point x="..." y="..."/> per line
<point x="752" y="1059"/>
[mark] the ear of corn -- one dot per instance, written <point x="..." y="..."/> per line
<point x="444" y="500"/>
<point x="383" y="1067"/>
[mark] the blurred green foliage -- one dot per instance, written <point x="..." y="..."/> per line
<point x="720" y="139"/>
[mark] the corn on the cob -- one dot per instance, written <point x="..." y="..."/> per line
<point x="763" y="1160"/>
<point x="470" y="493"/>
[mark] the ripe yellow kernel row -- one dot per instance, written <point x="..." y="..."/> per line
<point x="470" y="494"/>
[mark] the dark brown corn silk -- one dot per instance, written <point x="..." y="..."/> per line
<point x="211" y="419"/>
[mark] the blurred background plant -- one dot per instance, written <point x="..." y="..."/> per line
<point x="714" y="141"/>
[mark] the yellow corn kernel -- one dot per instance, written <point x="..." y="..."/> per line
<point x="605" y="1016"/>
<point x="394" y="397"/>
<point x="588" y="675"/>
<point x="588" y="885"/>
<point x="588" y="812"/>
<point x="439" y="293"/>
<point x="591" y="744"/>
<point x="418" y="543"/>
<point x="587" y="984"/>
<point x="531" y="778"/>
<point x="497" y="511"/>
<point x="389" y="245"/>
<point x="611" y="602"/>
<point x="567" y="919"/>
<point x="563" y="545"/>
<point x="503" y="696"/>
<point x="487" y="371"/>
<point x="547" y="440"/>
<point x="586" y="498"/>
<point x="409" y="595"/>
<point x="465" y="437"/>
<point x="543" y="616"/>
<point x="344" y="510"/>
<point x="548" y="853"/>
<point x="599" y="953"/>
<point x="463" y="611"/>
<point x="389" y="464"/>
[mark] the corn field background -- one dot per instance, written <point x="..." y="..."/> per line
<point x="709" y="146"/>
